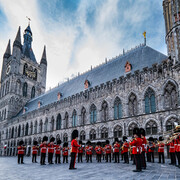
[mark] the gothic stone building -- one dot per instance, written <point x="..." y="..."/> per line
<point x="139" y="88"/>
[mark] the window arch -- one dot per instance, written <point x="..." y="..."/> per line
<point x="25" y="86"/>
<point x="24" y="69"/>
<point x="83" y="116"/>
<point x="31" y="128"/>
<point x="35" y="128"/>
<point x="132" y="105"/>
<point x="23" y="130"/>
<point x="40" y="126"/>
<point x="65" y="137"/>
<point x="58" y="122"/>
<point x="33" y="92"/>
<point x="117" y="131"/>
<point x="92" y="134"/>
<point x="66" y="120"/>
<point x="27" y="129"/>
<point x="57" y="137"/>
<point x="46" y="125"/>
<point x="150" y="101"/>
<point x="117" y="108"/>
<point x="12" y="133"/>
<point x="19" y="131"/>
<point x="170" y="123"/>
<point x="104" y="111"/>
<point x="82" y="135"/>
<point x="170" y="96"/>
<point x="52" y="123"/>
<point x="93" y="114"/>
<point x="104" y="133"/>
<point x="6" y="133"/>
<point x="131" y="127"/>
<point x="151" y="128"/>
<point x="16" y="132"/>
<point x="74" y="118"/>
<point x="4" y="114"/>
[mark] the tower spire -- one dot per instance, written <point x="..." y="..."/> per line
<point x="44" y="59"/>
<point x="7" y="53"/>
<point x="17" y="41"/>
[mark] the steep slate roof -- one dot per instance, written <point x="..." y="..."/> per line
<point x="139" y="58"/>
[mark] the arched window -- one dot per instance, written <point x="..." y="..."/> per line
<point x="132" y="105"/>
<point x="46" y="125"/>
<point x="82" y="135"/>
<point x="27" y="129"/>
<point x="7" y="87"/>
<point x="18" y="86"/>
<point x="58" y="122"/>
<point x="151" y="128"/>
<point x="170" y="123"/>
<point x="15" y="132"/>
<point x="33" y="92"/>
<point x="150" y="101"/>
<point x="117" y="131"/>
<point x="104" y="133"/>
<point x="104" y="111"/>
<point x="57" y="137"/>
<point x="93" y="114"/>
<point x="19" y="131"/>
<point x="9" y="133"/>
<point x="4" y="114"/>
<point x="83" y="116"/>
<point x="66" y="120"/>
<point x="31" y="128"/>
<point x="170" y="96"/>
<point x="65" y="137"/>
<point x="25" y="86"/>
<point x="92" y="134"/>
<point x="40" y="126"/>
<point x="6" y="133"/>
<point x="131" y="127"/>
<point x="52" y="124"/>
<point x="35" y="128"/>
<point x="12" y="133"/>
<point x="23" y="130"/>
<point x="117" y="108"/>
<point x="74" y="118"/>
<point x="25" y="67"/>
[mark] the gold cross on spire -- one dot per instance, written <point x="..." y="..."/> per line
<point x="144" y="34"/>
<point x="28" y="20"/>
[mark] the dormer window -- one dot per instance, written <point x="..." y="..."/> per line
<point x="86" y="84"/>
<point x="128" y="67"/>
<point x="59" y="95"/>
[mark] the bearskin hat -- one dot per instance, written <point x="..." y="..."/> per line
<point x="151" y="139"/>
<point x="35" y="143"/>
<point x="142" y="131"/>
<point x="116" y="140"/>
<point x="58" y="141"/>
<point x="107" y="141"/>
<point x="52" y="139"/>
<point x="21" y="142"/>
<point x="64" y="145"/>
<point x="88" y="143"/>
<point x="161" y="138"/>
<point x="45" y="138"/>
<point x="74" y="134"/>
<point x="98" y="143"/>
<point x="124" y="138"/>
<point x="80" y="142"/>
<point x="136" y="131"/>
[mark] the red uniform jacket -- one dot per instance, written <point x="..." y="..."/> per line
<point x="43" y="148"/>
<point x="126" y="147"/>
<point x="108" y="149"/>
<point x="151" y="147"/>
<point x="35" y="150"/>
<point x="80" y="150"/>
<point x="74" y="146"/>
<point x="98" y="150"/>
<point x="51" y="148"/>
<point x="137" y="146"/>
<point x="58" y="149"/>
<point x="178" y="146"/>
<point x="171" y="147"/>
<point x="175" y="145"/>
<point x="89" y="150"/>
<point x="116" y="147"/>
<point x="21" y="149"/>
<point x="161" y="147"/>
<point x="65" y="151"/>
<point x="144" y="143"/>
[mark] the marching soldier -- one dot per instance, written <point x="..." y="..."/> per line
<point x="116" y="150"/>
<point x="51" y="150"/>
<point x="98" y="150"/>
<point x="108" y="151"/>
<point x="65" y="152"/>
<point x="58" y="152"/>
<point x="103" y="152"/>
<point x="144" y="145"/>
<point x="34" y="151"/>
<point x="137" y="143"/>
<point x="21" y="149"/>
<point x="151" y="149"/>
<point x="89" y="150"/>
<point x="74" y="148"/>
<point x="161" y="149"/>
<point x="43" y="147"/>
<point x="80" y="152"/>
<point x="178" y="150"/>
<point x="125" y="148"/>
<point x="172" y="152"/>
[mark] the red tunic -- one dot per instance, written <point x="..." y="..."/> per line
<point x="21" y="149"/>
<point x="57" y="149"/>
<point x="144" y="143"/>
<point x="80" y="150"/>
<point x="89" y="150"/>
<point x="137" y="146"/>
<point x="151" y="147"/>
<point x="178" y="145"/>
<point x="161" y="147"/>
<point x="116" y="147"/>
<point x="126" y="147"/>
<point x="74" y="146"/>
<point x="43" y="148"/>
<point x="98" y="150"/>
<point x="35" y="150"/>
<point x="171" y="147"/>
<point x="65" y="151"/>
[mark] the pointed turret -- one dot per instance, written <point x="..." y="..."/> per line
<point x="43" y="59"/>
<point x="17" y="41"/>
<point x="7" y="54"/>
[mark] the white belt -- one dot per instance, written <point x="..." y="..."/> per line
<point x="133" y="146"/>
<point x="161" y="147"/>
<point x="51" y="148"/>
<point x="21" y="150"/>
<point x="34" y="150"/>
<point x="172" y="147"/>
<point x="43" y="148"/>
<point x="178" y="144"/>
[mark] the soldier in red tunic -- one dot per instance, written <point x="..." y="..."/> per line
<point x="21" y="149"/>
<point x="43" y="147"/>
<point x="161" y="150"/>
<point x="172" y="152"/>
<point x="65" y="152"/>
<point x="137" y="144"/>
<point x="74" y="149"/>
<point x="116" y="150"/>
<point x="144" y="146"/>
<point x="108" y="151"/>
<point x="58" y="152"/>
<point x="34" y="151"/>
<point x="98" y="150"/>
<point x="151" y="147"/>
<point x="80" y="152"/>
<point x="88" y="150"/>
<point x="125" y="147"/>
<point x="51" y="147"/>
<point x="178" y="150"/>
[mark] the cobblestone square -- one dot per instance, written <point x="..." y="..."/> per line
<point x="10" y="170"/>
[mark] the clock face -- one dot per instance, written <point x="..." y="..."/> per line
<point x="8" y="69"/>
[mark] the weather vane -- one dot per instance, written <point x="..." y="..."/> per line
<point x="28" y="20"/>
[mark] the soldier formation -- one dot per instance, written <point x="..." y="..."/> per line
<point x="138" y="148"/>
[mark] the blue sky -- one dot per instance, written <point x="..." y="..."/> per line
<point x="81" y="33"/>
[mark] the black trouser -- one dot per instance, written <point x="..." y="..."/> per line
<point x="79" y="157"/>
<point x="65" y="158"/>
<point x="108" y="155"/>
<point x="126" y="158"/>
<point x="34" y="157"/>
<point x="116" y="155"/>
<point x="151" y="154"/>
<point x="89" y="157"/>
<point x="43" y="157"/>
<point x="20" y="157"/>
<point x="50" y="158"/>
<point x="173" y="158"/>
<point x="58" y="158"/>
<point x="143" y="159"/>
<point x="73" y="160"/>
<point x="122" y="156"/>
<point x="98" y="157"/>
<point x="178" y="157"/>
<point x="148" y="157"/>
<point x="138" y="161"/>
<point x="113" y="156"/>
<point x="161" y="154"/>
<point x="103" y="156"/>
